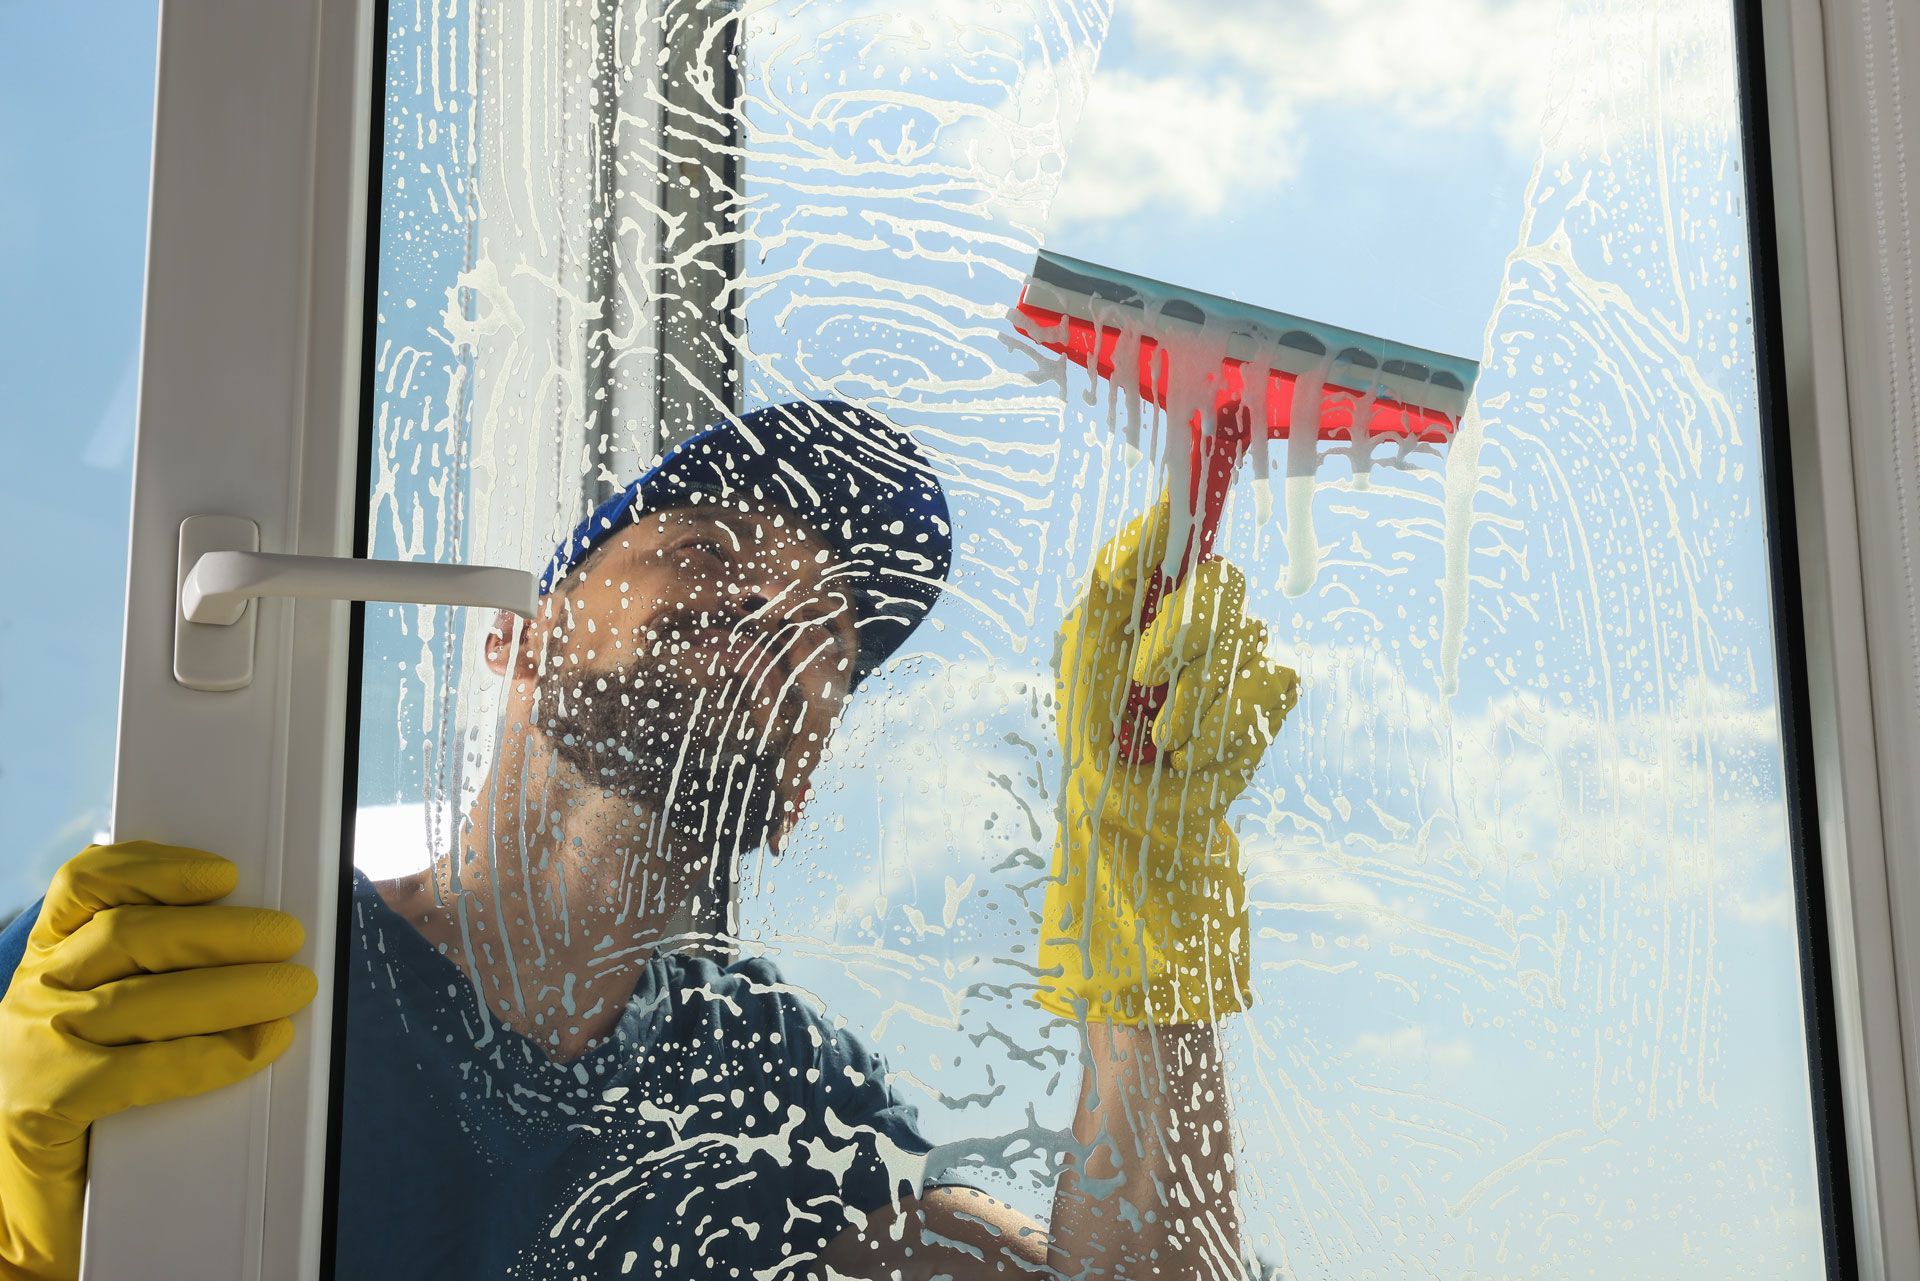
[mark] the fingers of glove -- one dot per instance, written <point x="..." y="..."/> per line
<point x="1136" y="550"/>
<point x="1091" y="663"/>
<point x="1235" y="730"/>
<point x="1207" y="612"/>
<point x="139" y="1075"/>
<point x="165" y="1007"/>
<point x="1215" y="677"/>
<point x="123" y="941"/>
<point x="130" y="872"/>
<point x="1201" y="645"/>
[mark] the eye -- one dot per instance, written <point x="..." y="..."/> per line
<point x="703" y="546"/>
<point x="828" y="618"/>
<point x="826" y="627"/>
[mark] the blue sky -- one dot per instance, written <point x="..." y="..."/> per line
<point x="76" y="103"/>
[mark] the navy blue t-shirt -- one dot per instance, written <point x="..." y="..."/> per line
<point x="724" y="1129"/>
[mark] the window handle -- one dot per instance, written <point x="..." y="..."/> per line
<point x="222" y="570"/>
<point x="220" y="584"/>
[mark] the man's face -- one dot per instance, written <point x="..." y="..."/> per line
<point x="698" y="659"/>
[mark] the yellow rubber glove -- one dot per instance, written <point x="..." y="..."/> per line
<point x="130" y="992"/>
<point x="1145" y="919"/>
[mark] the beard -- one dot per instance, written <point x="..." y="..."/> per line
<point x="692" y="731"/>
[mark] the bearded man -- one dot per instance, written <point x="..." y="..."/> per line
<point x="553" y="1066"/>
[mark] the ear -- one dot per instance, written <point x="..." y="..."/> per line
<point x="500" y="643"/>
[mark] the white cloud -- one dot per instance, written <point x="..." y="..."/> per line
<point x="1434" y="63"/>
<point x="1143" y="139"/>
<point x="1681" y="796"/>
<point x="939" y="780"/>
<point x="1196" y="104"/>
<point x="1199" y="101"/>
<point x="1762" y="909"/>
<point x="1375" y="776"/>
<point x="949" y="775"/>
<point x="1291" y="895"/>
<point x="1413" y="1046"/>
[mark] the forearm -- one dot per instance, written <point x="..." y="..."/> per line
<point x="1150" y="1192"/>
<point x="1152" y="1196"/>
<point x="944" y="1234"/>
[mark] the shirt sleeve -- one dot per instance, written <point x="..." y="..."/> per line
<point x="859" y="1142"/>
<point x="13" y="943"/>
<point x="858" y="1107"/>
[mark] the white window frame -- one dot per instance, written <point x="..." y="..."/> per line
<point x="250" y="397"/>
<point x="1847" y="334"/>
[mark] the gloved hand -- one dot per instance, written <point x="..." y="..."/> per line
<point x="1145" y="919"/>
<point x="130" y="992"/>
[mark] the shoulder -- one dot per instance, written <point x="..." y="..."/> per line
<point x="13" y="942"/>
<point x="751" y="1004"/>
<point x="752" y="990"/>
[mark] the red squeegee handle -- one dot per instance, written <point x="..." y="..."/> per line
<point x="1343" y="413"/>
<point x="1214" y="458"/>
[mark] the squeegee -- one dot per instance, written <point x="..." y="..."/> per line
<point x="1235" y="377"/>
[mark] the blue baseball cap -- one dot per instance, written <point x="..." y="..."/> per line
<point x="857" y="479"/>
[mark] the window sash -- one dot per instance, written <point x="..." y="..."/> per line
<point x="252" y="383"/>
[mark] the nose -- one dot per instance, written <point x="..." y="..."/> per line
<point x="747" y="588"/>
<point x="753" y="587"/>
<point x="775" y="597"/>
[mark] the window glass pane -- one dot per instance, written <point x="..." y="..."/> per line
<point x="1450" y="926"/>
<point x="76" y="122"/>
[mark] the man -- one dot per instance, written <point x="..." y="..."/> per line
<point x="549" y="1067"/>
